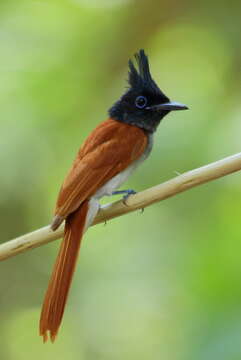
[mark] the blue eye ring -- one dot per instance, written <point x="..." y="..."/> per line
<point x="141" y="102"/>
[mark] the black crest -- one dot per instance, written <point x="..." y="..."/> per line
<point x="140" y="104"/>
<point x="142" y="78"/>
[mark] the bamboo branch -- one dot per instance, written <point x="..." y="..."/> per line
<point x="140" y="200"/>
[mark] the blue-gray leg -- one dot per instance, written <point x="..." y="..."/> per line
<point x="126" y="193"/>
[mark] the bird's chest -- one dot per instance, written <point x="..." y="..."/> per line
<point x="114" y="183"/>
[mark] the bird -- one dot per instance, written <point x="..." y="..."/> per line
<point x="109" y="155"/>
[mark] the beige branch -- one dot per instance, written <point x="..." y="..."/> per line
<point x="140" y="200"/>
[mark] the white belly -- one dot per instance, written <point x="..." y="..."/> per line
<point x="114" y="183"/>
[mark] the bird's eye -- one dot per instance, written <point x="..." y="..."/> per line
<point x="141" y="102"/>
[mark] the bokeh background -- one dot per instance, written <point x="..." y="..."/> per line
<point x="165" y="284"/>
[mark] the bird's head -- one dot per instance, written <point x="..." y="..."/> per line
<point x="144" y="104"/>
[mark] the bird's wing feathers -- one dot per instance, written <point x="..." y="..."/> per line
<point x="109" y="149"/>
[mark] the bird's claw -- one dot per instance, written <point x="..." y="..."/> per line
<point x="127" y="193"/>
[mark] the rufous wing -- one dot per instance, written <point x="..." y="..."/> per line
<point x="109" y="149"/>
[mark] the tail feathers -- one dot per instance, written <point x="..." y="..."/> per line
<point x="59" y="284"/>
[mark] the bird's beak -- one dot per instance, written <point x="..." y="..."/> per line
<point x="172" y="105"/>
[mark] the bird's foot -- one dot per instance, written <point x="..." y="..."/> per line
<point x="126" y="193"/>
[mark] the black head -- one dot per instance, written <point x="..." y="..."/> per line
<point x="144" y="104"/>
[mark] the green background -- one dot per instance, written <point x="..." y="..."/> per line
<point x="165" y="284"/>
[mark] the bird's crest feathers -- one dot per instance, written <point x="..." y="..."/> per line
<point x="141" y="78"/>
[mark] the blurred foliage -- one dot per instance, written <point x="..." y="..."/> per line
<point x="162" y="285"/>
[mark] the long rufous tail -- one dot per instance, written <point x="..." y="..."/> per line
<point x="59" y="284"/>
